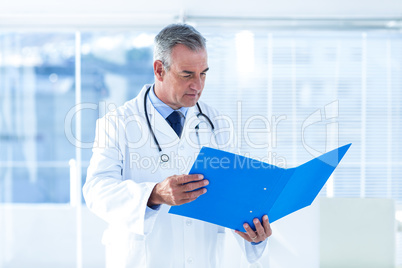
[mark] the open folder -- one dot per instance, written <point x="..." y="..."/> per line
<point x="241" y="188"/>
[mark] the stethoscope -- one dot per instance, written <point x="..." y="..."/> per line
<point x="165" y="157"/>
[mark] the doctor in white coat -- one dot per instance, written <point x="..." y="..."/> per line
<point x="140" y="155"/>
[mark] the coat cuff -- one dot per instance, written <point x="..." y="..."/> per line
<point x="151" y="213"/>
<point x="254" y="251"/>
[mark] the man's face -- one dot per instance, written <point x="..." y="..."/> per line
<point x="182" y="84"/>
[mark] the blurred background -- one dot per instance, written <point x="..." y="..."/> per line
<point x="308" y="76"/>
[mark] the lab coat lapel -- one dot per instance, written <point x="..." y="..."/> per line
<point x="165" y="134"/>
<point x="191" y="120"/>
<point x="163" y="131"/>
<point x="161" y="128"/>
<point x="189" y="138"/>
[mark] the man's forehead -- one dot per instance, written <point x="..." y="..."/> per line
<point x="181" y="50"/>
<point x="191" y="68"/>
<point x="185" y="59"/>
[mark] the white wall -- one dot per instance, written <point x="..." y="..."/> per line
<point x="338" y="232"/>
<point x="45" y="236"/>
<point x="316" y="8"/>
<point x="357" y="232"/>
<point x="84" y="12"/>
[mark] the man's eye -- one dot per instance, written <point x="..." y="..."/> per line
<point x="203" y="74"/>
<point x="186" y="76"/>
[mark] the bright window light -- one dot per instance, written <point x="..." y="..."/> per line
<point x="245" y="52"/>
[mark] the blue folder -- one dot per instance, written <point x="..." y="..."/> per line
<point x="241" y="188"/>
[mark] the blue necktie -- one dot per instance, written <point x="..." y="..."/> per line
<point x="174" y="120"/>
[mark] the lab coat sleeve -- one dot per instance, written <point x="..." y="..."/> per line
<point x="254" y="251"/>
<point x="119" y="202"/>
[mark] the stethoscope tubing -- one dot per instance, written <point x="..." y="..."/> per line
<point x="165" y="157"/>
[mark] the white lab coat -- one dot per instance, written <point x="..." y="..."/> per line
<point x="124" y="169"/>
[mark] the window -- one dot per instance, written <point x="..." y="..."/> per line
<point x="349" y="80"/>
<point x="301" y="93"/>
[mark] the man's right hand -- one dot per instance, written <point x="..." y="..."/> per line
<point x="177" y="190"/>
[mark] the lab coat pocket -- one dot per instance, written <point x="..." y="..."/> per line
<point x="124" y="249"/>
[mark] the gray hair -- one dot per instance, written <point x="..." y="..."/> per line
<point x="172" y="35"/>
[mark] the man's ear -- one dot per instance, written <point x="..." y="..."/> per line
<point x="159" y="71"/>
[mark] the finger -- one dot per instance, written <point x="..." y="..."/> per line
<point x="267" y="226"/>
<point x="184" y="201"/>
<point x="250" y="231"/>
<point x="191" y="186"/>
<point x="260" y="230"/>
<point x="182" y="179"/>
<point x="244" y="236"/>
<point x="194" y="194"/>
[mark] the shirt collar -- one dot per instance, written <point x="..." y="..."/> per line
<point x="162" y="107"/>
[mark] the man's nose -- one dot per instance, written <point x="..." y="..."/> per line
<point x="197" y="83"/>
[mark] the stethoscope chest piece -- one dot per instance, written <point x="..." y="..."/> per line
<point x="164" y="158"/>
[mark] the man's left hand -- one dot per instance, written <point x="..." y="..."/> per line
<point x="261" y="232"/>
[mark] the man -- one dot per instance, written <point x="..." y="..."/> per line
<point x="161" y="126"/>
